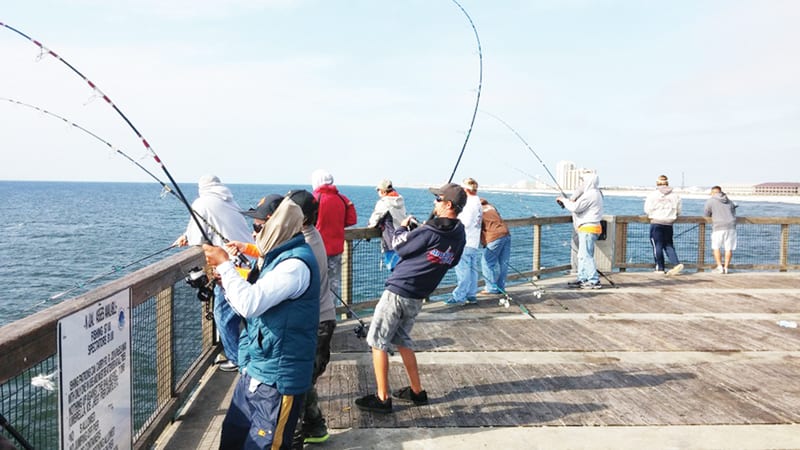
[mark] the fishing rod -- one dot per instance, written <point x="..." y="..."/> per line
<point x="165" y="187"/>
<point x="361" y="329"/>
<point x="532" y="151"/>
<point x="13" y="432"/>
<point x="477" y="98"/>
<point x="113" y="270"/>
<point x="93" y="86"/>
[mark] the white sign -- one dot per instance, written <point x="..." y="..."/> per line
<point x="94" y="358"/>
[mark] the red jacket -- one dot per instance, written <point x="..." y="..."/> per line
<point x="335" y="213"/>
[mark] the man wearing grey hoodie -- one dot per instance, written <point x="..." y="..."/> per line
<point x="723" y="217"/>
<point x="663" y="206"/>
<point x="587" y="211"/>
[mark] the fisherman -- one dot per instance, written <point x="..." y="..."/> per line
<point x="662" y="206"/>
<point x="426" y="254"/>
<point x="281" y="310"/>
<point x="722" y="212"/>
<point x="336" y="212"/>
<point x="389" y="211"/>
<point x="587" y="212"/>
<point x="220" y="217"/>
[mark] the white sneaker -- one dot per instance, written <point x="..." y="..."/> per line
<point x="725" y="270"/>
<point x="675" y="270"/>
<point x="719" y="269"/>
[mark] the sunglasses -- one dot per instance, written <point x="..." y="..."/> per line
<point x="257" y="227"/>
<point x="439" y="198"/>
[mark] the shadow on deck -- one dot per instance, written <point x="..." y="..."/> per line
<point x="694" y="361"/>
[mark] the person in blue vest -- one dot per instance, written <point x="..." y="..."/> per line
<point x="278" y="344"/>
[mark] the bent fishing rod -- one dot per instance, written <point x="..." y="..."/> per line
<point x="531" y="150"/>
<point x="477" y="97"/>
<point x="165" y="187"/>
<point x="44" y="50"/>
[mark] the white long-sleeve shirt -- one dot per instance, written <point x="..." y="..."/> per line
<point x="287" y="280"/>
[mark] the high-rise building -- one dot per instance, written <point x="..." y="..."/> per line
<point x="569" y="176"/>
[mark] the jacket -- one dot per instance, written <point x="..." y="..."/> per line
<point x="722" y="212"/>
<point x="588" y="208"/>
<point x="492" y="225"/>
<point x="335" y="213"/>
<point x="662" y="206"/>
<point x="279" y="345"/>
<point x="389" y="212"/>
<point x="426" y="253"/>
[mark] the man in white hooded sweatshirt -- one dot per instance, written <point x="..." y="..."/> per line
<point x="663" y="206"/>
<point x="217" y="210"/>
<point x="587" y="211"/>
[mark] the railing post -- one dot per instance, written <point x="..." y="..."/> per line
<point x="347" y="272"/>
<point x="701" y="246"/>
<point x="537" y="249"/>
<point x="784" y="256"/>
<point x="164" y="347"/>
<point x="621" y="245"/>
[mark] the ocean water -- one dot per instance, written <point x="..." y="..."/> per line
<point x="57" y="236"/>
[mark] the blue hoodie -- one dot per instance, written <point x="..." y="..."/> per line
<point x="426" y="253"/>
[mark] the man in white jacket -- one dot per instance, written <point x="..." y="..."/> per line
<point x="663" y="206"/>
<point x="389" y="212"/>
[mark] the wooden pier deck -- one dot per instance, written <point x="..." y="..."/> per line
<point x="694" y="361"/>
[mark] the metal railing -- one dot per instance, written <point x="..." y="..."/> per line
<point x="172" y="343"/>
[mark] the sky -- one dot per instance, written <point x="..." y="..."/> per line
<point x="266" y="91"/>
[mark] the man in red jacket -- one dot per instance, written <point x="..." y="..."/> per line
<point x="335" y="213"/>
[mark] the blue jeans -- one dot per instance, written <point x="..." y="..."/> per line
<point x="661" y="239"/>
<point x="227" y="322"/>
<point x="467" y="275"/>
<point x="587" y="269"/>
<point x="495" y="264"/>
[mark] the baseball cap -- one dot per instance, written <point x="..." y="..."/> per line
<point x="266" y="206"/>
<point x="453" y="193"/>
<point x="306" y="201"/>
<point x="385" y="185"/>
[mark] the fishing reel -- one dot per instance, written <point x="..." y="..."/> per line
<point x="360" y="330"/>
<point x="199" y="279"/>
<point x="412" y="223"/>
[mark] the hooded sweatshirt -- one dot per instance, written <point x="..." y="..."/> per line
<point x="216" y="205"/>
<point x="588" y="208"/>
<point x="662" y="206"/>
<point x="722" y="212"/>
<point x="426" y="253"/>
<point x="389" y="212"/>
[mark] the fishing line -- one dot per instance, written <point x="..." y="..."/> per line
<point x="361" y="329"/>
<point x="165" y="187"/>
<point x="478" y="97"/>
<point x="97" y="91"/>
<point x="531" y="150"/>
<point x="114" y="270"/>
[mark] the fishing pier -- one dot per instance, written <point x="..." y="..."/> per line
<point x="699" y="360"/>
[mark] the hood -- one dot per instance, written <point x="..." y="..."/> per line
<point x="209" y="185"/>
<point x="591" y="182"/>
<point x="394" y="201"/>
<point x="665" y="190"/>
<point x="320" y="177"/>
<point x="721" y="197"/>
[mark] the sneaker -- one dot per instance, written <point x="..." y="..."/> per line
<point x="452" y="301"/>
<point x="372" y="403"/>
<point x="574" y="283"/>
<point x="719" y="269"/>
<point x="590" y="285"/>
<point x="316" y="439"/>
<point x="725" y="270"/>
<point x="406" y="394"/>
<point x="220" y="358"/>
<point x="471" y="301"/>
<point x="675" y="270"/>
<point x="228" y="366"/>
<point x="487" y="294"/>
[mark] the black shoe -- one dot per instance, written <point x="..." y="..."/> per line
<point x="407" y="394"/>
<point x="372" y="403"/>
<point x="574" y="284"/>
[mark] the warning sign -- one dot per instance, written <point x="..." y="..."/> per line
<point x="94" y="357"/>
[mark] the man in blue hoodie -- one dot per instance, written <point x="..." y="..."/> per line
<point x="723" y="216"/>
<point x="426" y="254"/>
